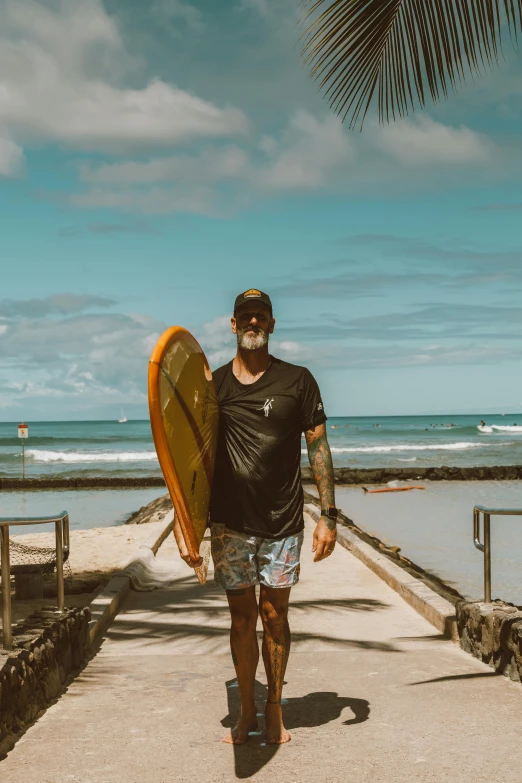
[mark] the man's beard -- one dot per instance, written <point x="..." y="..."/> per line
<point x="252" y="342"/>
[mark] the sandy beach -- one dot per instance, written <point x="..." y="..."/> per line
<point x="94" y="555"/>
<point x="99" y="551"/>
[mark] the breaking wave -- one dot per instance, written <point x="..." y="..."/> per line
<point x="498" y="428"/>
<point x="37" y="455"/>
<point x="464" y="446"/>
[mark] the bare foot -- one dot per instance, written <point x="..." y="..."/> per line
<point x="239" y="734"/>
<point x="276" y="734"/>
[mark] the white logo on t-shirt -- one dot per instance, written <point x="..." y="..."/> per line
<point x="320" y="406"/>
<point x="267" y="407"/>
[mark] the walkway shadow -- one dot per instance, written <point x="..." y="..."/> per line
<point x="163" y="617"/>
<point x="451" y="677"/>
<point x="314" y="709"/>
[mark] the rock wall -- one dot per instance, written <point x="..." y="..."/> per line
<point x="94" y="482"/>
<point x="444" y="473"/>
<point x="493" y="634"/>
<point x="152" y="512"/>
<point x="47" y="648"/>
<point x="342" y="476"/>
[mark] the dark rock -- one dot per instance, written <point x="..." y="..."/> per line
<point x="47" y="648"/>
<point x="493" y="634"/>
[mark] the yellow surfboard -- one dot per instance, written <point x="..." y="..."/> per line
<point x="184" y="419"/>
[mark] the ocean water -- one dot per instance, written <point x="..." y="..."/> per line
<point x="434" y="528"/>
<point x="104" y="448"/>
<point x="86" y="508"/>
<point x="79" y="448"/>
<point x="426" y="441"/>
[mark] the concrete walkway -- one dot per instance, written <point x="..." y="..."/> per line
<point x="373" y="694"/>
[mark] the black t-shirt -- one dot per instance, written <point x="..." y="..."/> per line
<point x="257" y="480"/>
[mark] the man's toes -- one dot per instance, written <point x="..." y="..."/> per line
<point x="231" y="740"/>
<point x="285" y="736"/>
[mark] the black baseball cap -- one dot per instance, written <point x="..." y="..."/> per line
<point x="253" y="294"/>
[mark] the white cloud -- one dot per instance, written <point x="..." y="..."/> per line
<point x="217" y="340"/>
<point x="197" y="201"/>
<point x="91" y="358"/>
<point x="11" y="158"/>
<point x="56" y="304"/>
<point x="61" y="80"/>
<point x="216" y="333"/>
<point x="423" y="141"/>
<point x="85" y="361"/>
<point x="262" y="7"/>
<point x="307" y="155"/>
<point x="172" y="12"/>
<point x="303" y="157"/>
<point x="212" y="165"/>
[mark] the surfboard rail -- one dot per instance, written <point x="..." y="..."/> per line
<point x="171" y="474"/>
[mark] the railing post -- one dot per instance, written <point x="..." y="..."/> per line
<point x="66" y="536"/>
<point x="60" y="589"/>
<point x="487" y="558"/>
<point x="7" y="632"/>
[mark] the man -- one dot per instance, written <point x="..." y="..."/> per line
<point x="256" y="509"/>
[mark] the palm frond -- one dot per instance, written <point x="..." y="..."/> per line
<point x="400" y="50"/>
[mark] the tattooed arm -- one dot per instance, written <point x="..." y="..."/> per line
<point x="321" y="462"/>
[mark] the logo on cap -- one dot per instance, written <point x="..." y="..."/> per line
<point x="251" y="292"/>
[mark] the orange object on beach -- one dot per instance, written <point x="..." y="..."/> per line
<point x="390" y="489"/>
<point x="184" y="419"/>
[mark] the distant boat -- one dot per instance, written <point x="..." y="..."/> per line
<point x="122" y="418"/>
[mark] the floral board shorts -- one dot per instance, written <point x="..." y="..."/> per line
<point x="241" y="560"/>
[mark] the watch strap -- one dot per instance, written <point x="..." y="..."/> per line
<point x="331" y="513"/>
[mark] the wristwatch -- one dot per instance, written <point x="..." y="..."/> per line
<point x="331" y="513"/>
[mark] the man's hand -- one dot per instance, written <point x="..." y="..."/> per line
<point x="183" y="551"/>
<point x="325" y="536"/>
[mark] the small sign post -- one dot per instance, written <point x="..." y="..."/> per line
<point x="23" y="432"/>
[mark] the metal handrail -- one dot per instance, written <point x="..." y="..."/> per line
<point x="61" y="526"/>
<point x="486" y="546"/>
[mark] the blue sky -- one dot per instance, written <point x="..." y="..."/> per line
<point x="158" y="158"/>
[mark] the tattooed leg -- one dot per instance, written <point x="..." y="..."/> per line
<point x="276" y="649"/>
<point x="245" y="655"/>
